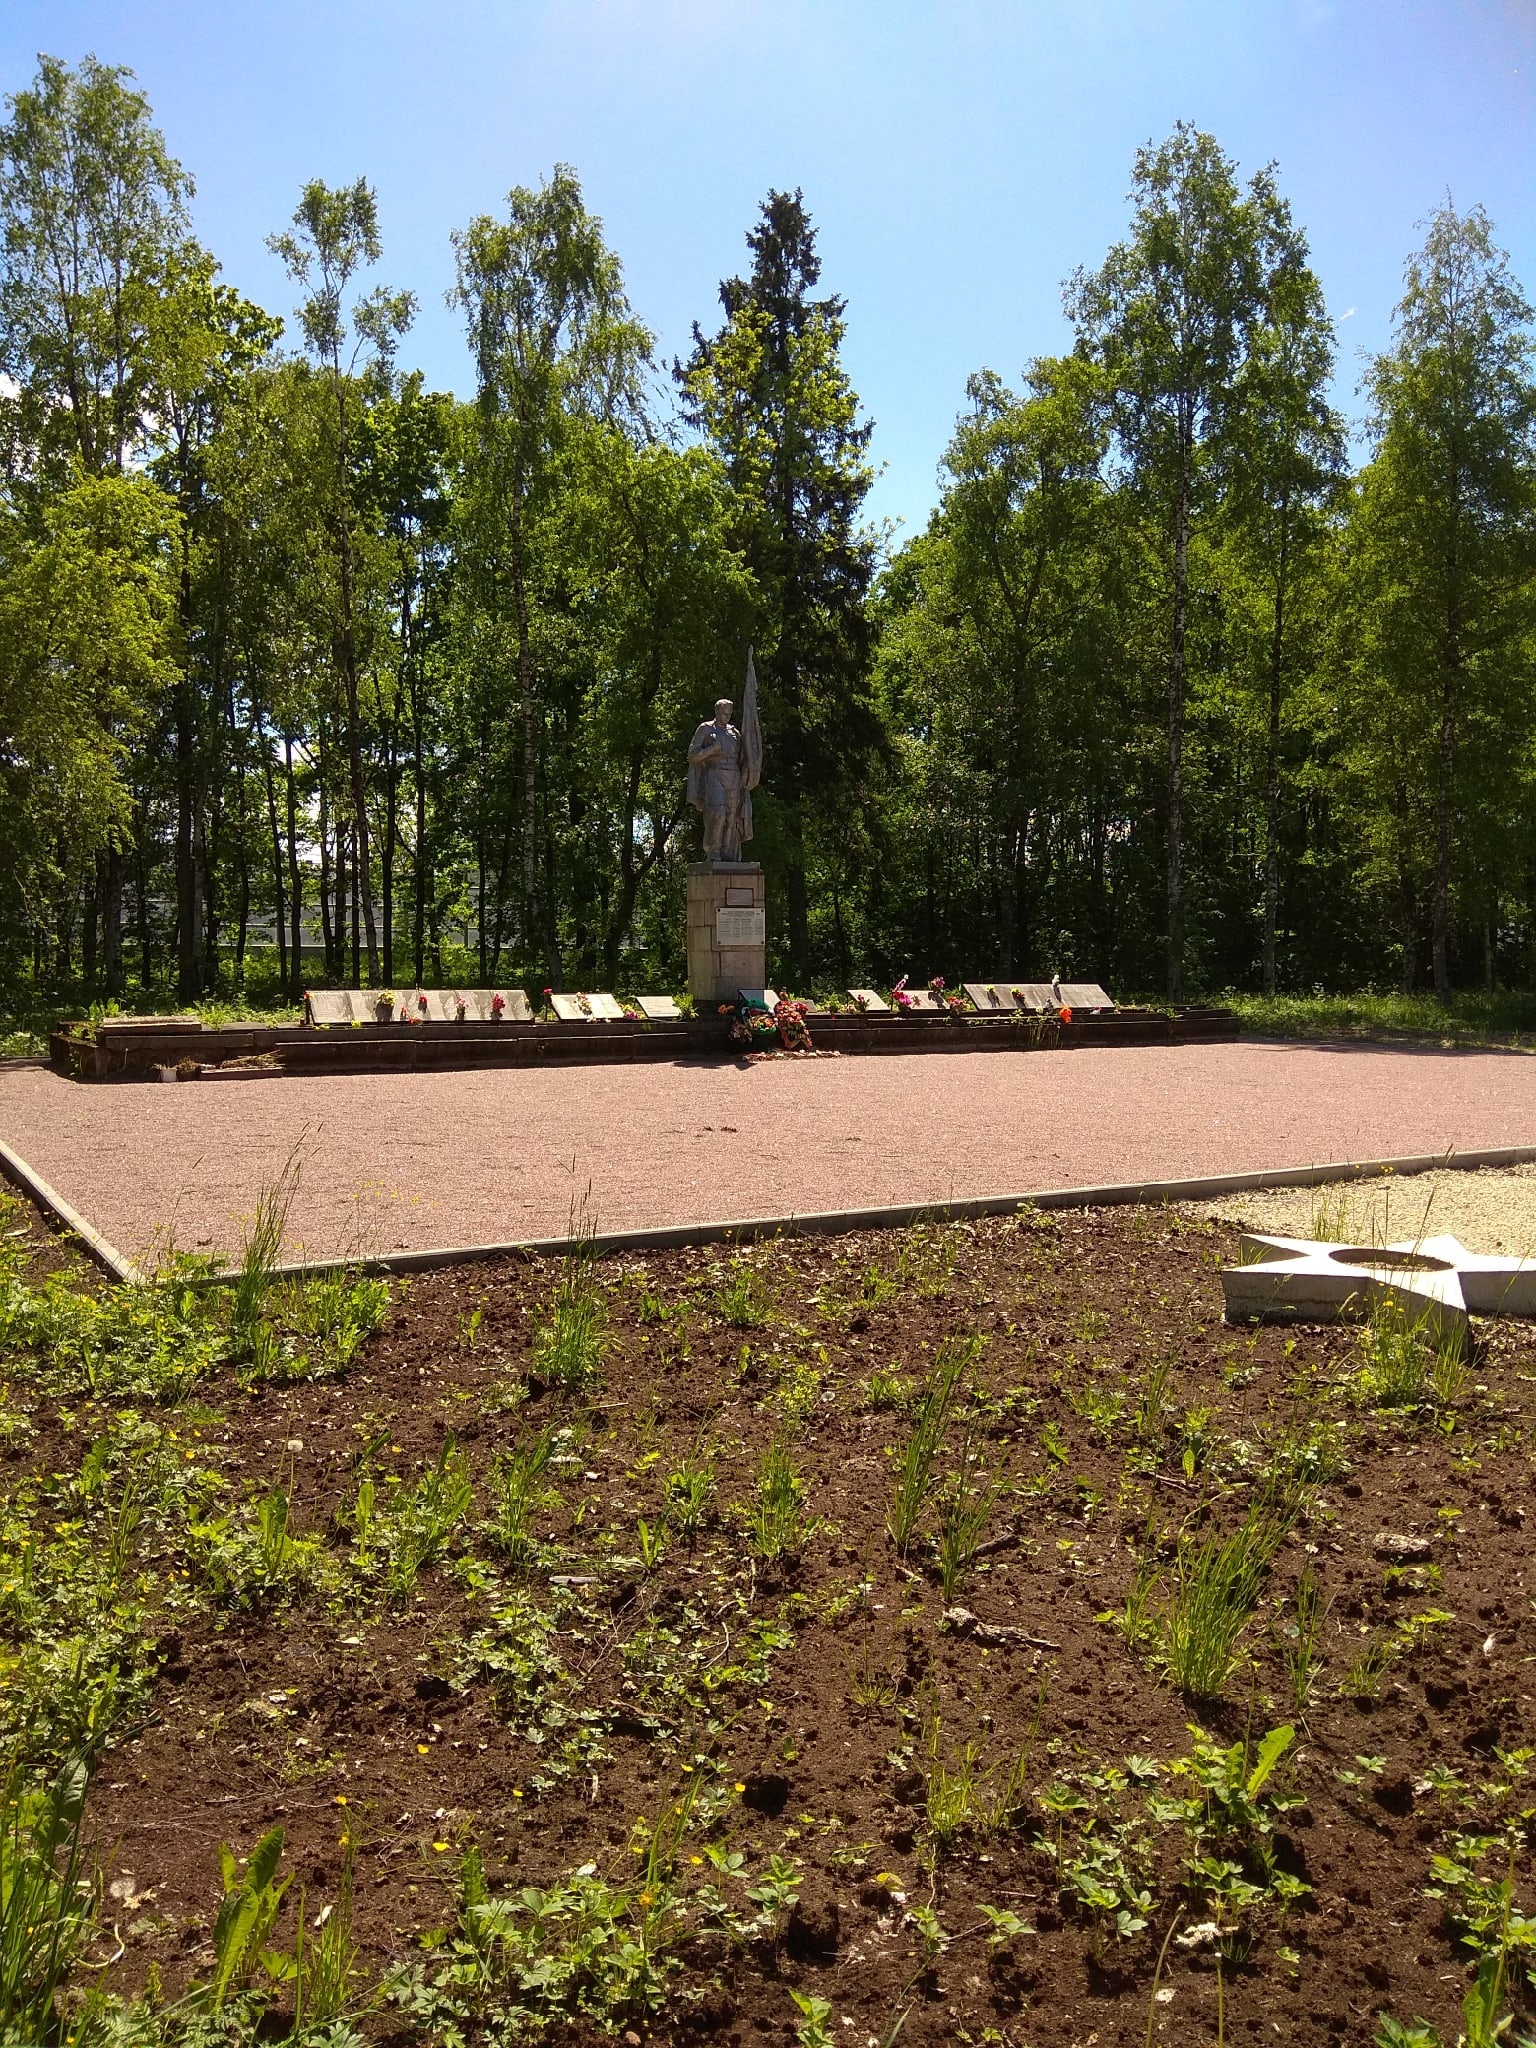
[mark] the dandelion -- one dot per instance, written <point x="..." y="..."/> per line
<point x="739" y="1786"/>
<point x="697" y="1861"/>
<point x="421" y="1749"/>
<point x="440" y="1847"/>
<point x="517" y="1791"/>
<point x="341" y="1798"/>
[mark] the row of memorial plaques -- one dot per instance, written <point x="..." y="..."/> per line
<point x="993" y="999"/>
<point x="511" y="1006"/>
<point x="470" y="1006"/>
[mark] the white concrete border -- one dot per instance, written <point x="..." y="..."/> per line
<point x="16" y="1170"/>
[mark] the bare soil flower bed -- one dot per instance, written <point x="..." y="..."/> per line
<point x="723" y="1648"/>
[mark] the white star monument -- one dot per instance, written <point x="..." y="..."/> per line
<point x="1436" y="1279"/>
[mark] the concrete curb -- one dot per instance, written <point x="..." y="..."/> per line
<point x="111" y="1261"/>
<point x="822" y="1223"/>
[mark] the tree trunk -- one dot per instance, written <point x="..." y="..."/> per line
<point x="534" y="922"/>
<point x="279" y="921"/>
<point x="112" y="922"/>
<point x="189" y="948"/>
<point x="387" y="862"/>
<point x="326" y="928"/>
<point x="797" y="902"/>
<point x="89" y="926"/>
<point x="421" y="872"/>
<point x="360" y="839"/>
<point x="141" y="907"/>
<point x="1272" y="764"/>
<point x="295" y="886"/>
<point x="347" y="652"/>
<point x="1440" y="909"/>
<point x="1176" y="729"/>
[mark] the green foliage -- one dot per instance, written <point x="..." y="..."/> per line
<point x="568" y="1343"/>
<point x="522" y="1490"/>
<point x="915" y="1460"/>
<point x="968" y="1504"/>
<point x="426" y="1518"/>
<point x="45" y="1893"/>
<point x="261" y="1252"/>
<point x="584" y="1947"/>
<point x="744" y="1298"/>
<point x="777" y="1523"/>
<point x="1216" y="1585"/>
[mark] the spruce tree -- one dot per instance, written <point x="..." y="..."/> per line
<point x="770" y="394"/>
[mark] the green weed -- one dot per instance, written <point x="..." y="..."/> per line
<point x="968" y="1505"/>
<point x="689" y="1498"/>
<point x="1300" y="1639"/>
<point x="777" y="1525"/>
<point x="931" y="1412"/>
<point x="45" y="1896"/>
<point x="522" y="1492"/>
<point x="568" y="1344"/>
<point x="744" y="1302"/>
<point x="261" y="1252"/>
<point x="1216" y="1586"/>
<point x="426" y="1519"/>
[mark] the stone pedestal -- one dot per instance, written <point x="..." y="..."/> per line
<point x="727" y="942"/>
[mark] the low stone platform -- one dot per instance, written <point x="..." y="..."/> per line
<point x="143" y="1054"/>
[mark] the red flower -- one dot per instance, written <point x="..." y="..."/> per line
<point x="1066" y="1016"/>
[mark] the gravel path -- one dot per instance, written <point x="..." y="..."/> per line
<point x="409" y="1161"/>
<point x="1490" y="1210"/>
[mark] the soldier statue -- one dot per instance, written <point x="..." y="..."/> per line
<point x="725" y="765"/>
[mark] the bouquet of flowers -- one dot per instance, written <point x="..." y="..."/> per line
<point x="789" y="1021"/>
<point x="498" y="1006"/>
<point x="460" y="1009"/>
<point x="899" y="995"/>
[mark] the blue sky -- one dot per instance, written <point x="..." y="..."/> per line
<point x="960" y="159"/>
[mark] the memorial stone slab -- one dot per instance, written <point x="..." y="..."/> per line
<point x="989" y="996"/>
<point x="330" y="1006"/>
<point x="147" y="1027"/>
<point x="1085" y="995"/>
<point x="659" y="1009"/>
<point x="920" y="999"/>
<point x="1034" y="995"/>
<point x="760" y="999"/>
<point x="868" y="999"/>
<point x="586" y="1008"/>
<point x="518" y="1009"/>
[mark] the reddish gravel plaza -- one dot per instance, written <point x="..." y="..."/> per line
<point x="414" y="1161"/>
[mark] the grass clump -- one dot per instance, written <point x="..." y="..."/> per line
<point x="522" y="1491"/>
<point x="568" y="1344"/>
<point x="45" y="1896"/>
<point x="744" y="1301"/>
<point x="1216" y="1585"/>
<point x="931" y="1411"/>
<point x="777" y="1524"/>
